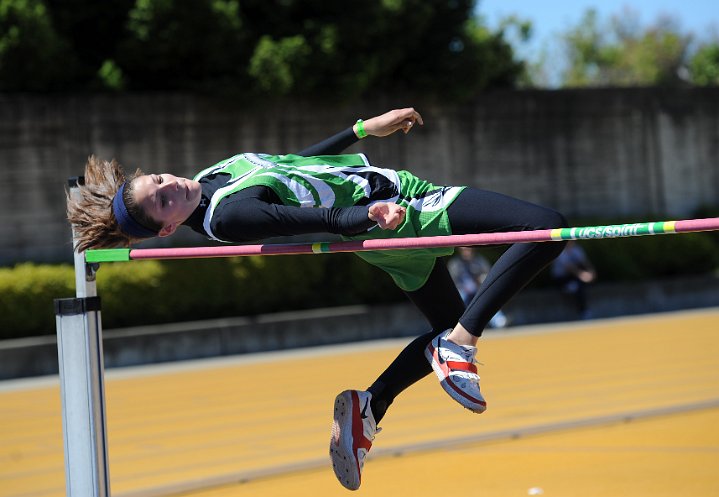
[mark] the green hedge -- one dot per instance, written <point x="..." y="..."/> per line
<point x="26" y="293"/>
<point x="150" y="292"/>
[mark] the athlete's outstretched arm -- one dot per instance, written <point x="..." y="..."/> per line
<point x="334" y="145"/>
<point x="391" y="121"/>
<point x="382" y="125"/>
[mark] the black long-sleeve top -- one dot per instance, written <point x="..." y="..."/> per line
<point x="257" y="212"/>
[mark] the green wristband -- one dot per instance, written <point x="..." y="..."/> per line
<point x="361" y="133"/>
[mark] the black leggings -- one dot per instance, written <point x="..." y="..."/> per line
<point x="474" y="211"/>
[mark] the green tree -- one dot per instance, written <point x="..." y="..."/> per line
<point x="92" y="29"/>
<point x="33" y="56"/>
<point x="704" y="65"/>
<point x="276" y="66"/>
<point x="622" y="53"/>
<point x="296" y="48"/>
<point x="348" y="49"/>
<point x="187" y="44"/>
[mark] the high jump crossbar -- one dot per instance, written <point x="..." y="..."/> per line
<point x="546" y="235"/>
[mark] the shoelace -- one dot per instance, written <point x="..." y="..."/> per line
<point x="470" y="355"/>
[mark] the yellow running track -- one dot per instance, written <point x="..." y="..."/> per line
<point x="607" y="408"/>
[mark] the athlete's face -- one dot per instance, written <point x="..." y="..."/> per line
<point x="167" y="199"/>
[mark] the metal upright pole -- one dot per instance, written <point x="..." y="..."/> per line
<point x="82" y="386"/>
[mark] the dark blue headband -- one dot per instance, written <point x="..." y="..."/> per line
<point x="127" y="223"/>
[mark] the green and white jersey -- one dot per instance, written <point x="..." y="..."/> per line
<point x="345" y="181"/>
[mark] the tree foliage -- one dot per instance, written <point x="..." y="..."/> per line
<point x="33" y="55"/>
<point x="186" y="44"/>
<point x="620" y="51"/>
<point x="704" y="65"/>
<point x="255" y="47"/>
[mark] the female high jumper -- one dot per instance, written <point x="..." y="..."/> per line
<point x="252" y="196"/>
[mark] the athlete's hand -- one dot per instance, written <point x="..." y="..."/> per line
<point x="387" y="215"/>
<point x="391" y="121"/>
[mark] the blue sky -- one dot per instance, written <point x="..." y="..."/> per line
<point x="551" y="17"/>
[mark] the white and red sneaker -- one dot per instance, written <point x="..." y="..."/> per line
<point x="454" y="366"/>
<point x="353" y="431"/>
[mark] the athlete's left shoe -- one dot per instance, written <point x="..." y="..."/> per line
<point x="454" y="366"/>
<point x="353" y="431"/>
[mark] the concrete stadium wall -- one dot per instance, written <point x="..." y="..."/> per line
<point x="610" y="153"/>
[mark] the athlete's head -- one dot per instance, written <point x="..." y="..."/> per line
<point x="116" y="210"/>
<point x="166" y="199"/>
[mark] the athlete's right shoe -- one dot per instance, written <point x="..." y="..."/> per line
<point x="454" y="366"/>
<point x="353" y="431"/>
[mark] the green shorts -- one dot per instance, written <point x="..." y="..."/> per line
<point x="426" y="215"/>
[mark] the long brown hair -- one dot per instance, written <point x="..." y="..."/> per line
<point x="91" y="214"/>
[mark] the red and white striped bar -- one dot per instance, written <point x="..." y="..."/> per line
<point x="548" y="235"/>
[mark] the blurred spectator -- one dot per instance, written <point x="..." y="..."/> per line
<point x="468" y="270"/>
<point x="572" y="272"/>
